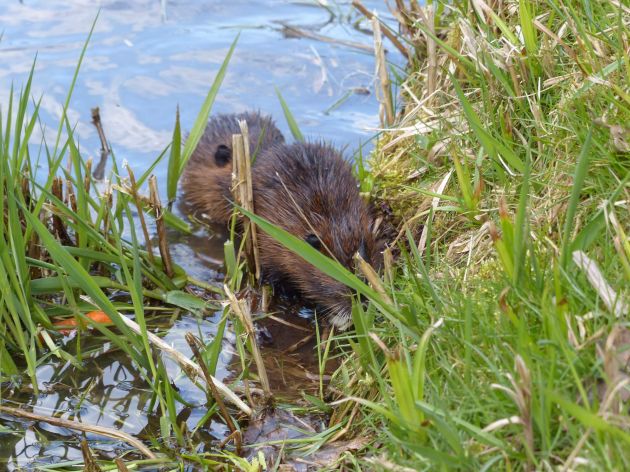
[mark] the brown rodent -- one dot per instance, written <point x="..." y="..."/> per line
<point x="306" y="188"/>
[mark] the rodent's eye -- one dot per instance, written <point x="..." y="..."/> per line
<point x="313" y="240"/>
<point x="223" y="155"/>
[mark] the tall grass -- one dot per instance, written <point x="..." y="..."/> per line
<point x="68" y="244"/>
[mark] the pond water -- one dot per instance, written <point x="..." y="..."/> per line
<point x="147" y="57"/>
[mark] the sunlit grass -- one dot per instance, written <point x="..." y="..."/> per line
<point x="515" y="366"/>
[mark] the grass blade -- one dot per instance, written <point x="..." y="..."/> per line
<point x="174" y="162"/>
<point x="578" y="182"/>
<point x="293" y="126"/>
<point x="202" y="118"/>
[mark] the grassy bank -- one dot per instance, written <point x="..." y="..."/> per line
<point x="498" y="339"/>
<point x="494" y="343"/>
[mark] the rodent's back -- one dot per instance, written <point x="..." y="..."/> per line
<point x="309" y="190"/>
<point x="304" y="186"/>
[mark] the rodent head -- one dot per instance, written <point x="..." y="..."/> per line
<point x="309" y="190"/>
<point x="340" y="242"/>
<point x="263" y="133"/>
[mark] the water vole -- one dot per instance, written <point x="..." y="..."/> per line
<point x="306" y="188"/>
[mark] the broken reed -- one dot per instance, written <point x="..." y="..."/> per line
<point x="133" y="189"/>
<point x="386" y="110"/>
<point x="241" y="307"/>
<point x="99" y="172"/>
<point x="158" y="211"/>
<point x="242" y="189"/>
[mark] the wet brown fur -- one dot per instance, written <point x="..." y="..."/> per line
<point x="306" y="188"/>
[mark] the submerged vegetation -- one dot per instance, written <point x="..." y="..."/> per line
<point x="497" y="335"/>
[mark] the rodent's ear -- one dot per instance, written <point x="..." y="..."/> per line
<point x="313" y="240"/>
<point x="223" y="155"/>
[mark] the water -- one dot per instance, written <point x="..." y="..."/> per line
<point x="145" y="59"/>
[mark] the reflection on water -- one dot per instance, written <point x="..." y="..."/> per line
<point x="147" y="57"/>
<point x="139" y="67"/>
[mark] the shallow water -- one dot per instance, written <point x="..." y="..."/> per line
<point x="147" y="57"/>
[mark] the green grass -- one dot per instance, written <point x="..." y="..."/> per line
<point x="493" y="352"/>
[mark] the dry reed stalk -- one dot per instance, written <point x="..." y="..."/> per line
<point x="432" y="60"/>
<point x="58" y="226"/>
<point x="248" y="204"/>
<point x="372" y="277"/>
<point x="292" y="31"/>
<point x="386" y="108"/>
<point x="120" y="465"/>
<point x="342" y="432"/>
<point x="34" y="248"/>
<point x="99" y="172"/>
<point x="161" y="227"/>
<point x="401" y="13"/>
<point x="238" y="149"/>
<point x="239" y="192"/>
<point x="521" y="394"/>
<point x="614" y="302"/>
<point x="133" y="188"/>
<point x="89" y="463"/>
<point x="523" y="387"/>
<point x="87" y="428"/>
<point x="242" y="310"/>
<point x="26" y="188"/>
<point x="620" y="241"/>
<point x="391" y="36"/>
<point x="71" y="198"/>
<point x="267" y="295"/>
<point x="388" y="266"/>
<point x="295" y="346"/>
<point x="109" y="201"/>
<point x="35" y="252"/>
<point x="514" y="76"/>
<point x="86" y="179"/>
<point x="615" y="358"/>
<point x="289" y="324"/>
<point x="229" y="437"/>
